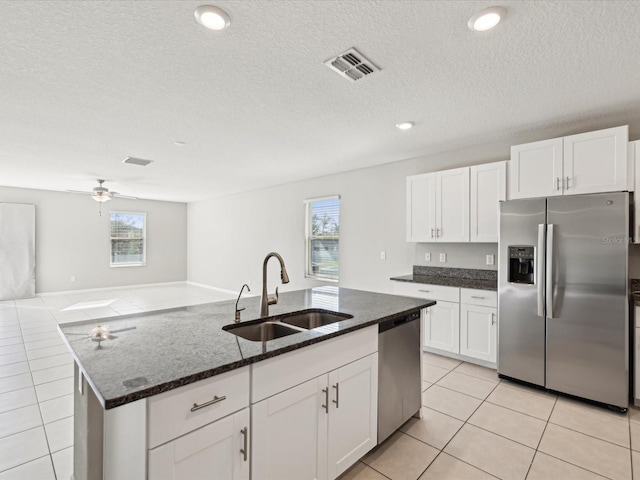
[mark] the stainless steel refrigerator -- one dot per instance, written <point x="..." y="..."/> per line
<point x="563" y="296"/>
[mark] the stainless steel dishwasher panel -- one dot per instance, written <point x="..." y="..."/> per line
<point x="399" y="381"/>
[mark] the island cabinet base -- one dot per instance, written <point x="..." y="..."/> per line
<point x="307" y="414"/>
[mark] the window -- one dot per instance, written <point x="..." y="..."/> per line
<point x="128" y="239"/>
<point x="322" y="238"/>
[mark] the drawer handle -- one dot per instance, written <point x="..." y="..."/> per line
<point x="424" y="291"/>
<point x="479" y="298"/>
<point x="244" y="451"/>
<point x="493" y="319"/>
<point x="337" y="400"/>
<point x="216" y="399"/>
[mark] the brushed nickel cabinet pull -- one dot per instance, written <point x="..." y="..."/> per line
<point x="326" y="399"/>
<point x="216" y="399"/>
<point x="479" y="298"/>
<point x="244" y="451"/>
<point x="425" y="291"/>
<point x="432" y="233"/>
<point x="337" y="400"/>
<point x="567" y="183"/>
<point x="557" y="183"/>
<point x="493" y="319"/>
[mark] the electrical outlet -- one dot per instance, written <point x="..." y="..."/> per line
<point x="443" y="257"/>
<point x="490" y="260"/>
<point x="383" y="255"/>
<point x="427" y="257"/>
<point x="73" y="279"/>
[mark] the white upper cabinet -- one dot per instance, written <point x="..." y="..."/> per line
<point x="535" y="169"/>
<point x="438" y="206"/>
<point x="596" y="161"/>
<point x="590" y="162"/>
<point x="421" y="208"/>
<point x="487" y="188"/>
<point x="452" y="205"/>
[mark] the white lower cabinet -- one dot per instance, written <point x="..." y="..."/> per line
<point x="217" y="451"/>
<point x="478" y="332"/>
<point x="318" y="429"/>
<point x="441" y="326"/>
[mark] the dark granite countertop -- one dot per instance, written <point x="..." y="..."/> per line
<point x="158" y="351"/>
<point x="453" y="277"/>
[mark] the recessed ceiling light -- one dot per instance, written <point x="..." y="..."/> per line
<point x="211" y="17"/>
<point x="405" y="125"/>
<point x="486" y="19"/>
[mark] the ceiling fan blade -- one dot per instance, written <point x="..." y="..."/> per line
<point x="78" y="191"/>
<point x="119" y="195"/>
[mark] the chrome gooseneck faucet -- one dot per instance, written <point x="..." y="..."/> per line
<point x="266" y="298"/>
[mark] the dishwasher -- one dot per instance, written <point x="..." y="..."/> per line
<point x="399" y="382"/>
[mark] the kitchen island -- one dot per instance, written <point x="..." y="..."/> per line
<point x="132" y="390"/>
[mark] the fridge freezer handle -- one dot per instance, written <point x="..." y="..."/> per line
<point x="539" y="269"/>
<point x="549" y="271"/>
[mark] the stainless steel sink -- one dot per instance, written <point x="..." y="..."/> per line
<point x="313" y="318"/>
<point x="280" y="326"/>
<point x="262" y="332"/>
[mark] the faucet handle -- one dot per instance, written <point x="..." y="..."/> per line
<point x="272" y="299"/>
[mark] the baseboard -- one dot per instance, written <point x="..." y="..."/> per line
<point x="102" y="289"/>
<point x="220" y="289"/>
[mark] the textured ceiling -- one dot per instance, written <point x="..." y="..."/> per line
<point x="83" y="84"/>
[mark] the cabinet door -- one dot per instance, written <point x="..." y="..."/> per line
<point x="353" y="414"/>
<point x="452" y="205"/>
<point x="441" y="326"/>
<point x="487" y="188"/>
<point x="478" y="332"/>
<point x="421" y="208"/>
<point x="211" y="452"/>
<point x="535" y="169"/>
<point x="596" y="161"/>
<point x="290" y="433"/>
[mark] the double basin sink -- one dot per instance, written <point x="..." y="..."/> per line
<point x="270" y="328"/>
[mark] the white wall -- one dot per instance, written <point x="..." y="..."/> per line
<point x="73" y="240"/>
<point x="228" y="237"/>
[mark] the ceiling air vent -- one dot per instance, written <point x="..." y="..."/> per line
<point x="352" y="65"/>
<point x="137" y="161"/>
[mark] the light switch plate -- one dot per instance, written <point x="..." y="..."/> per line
<point x="427" y="257"/>
<point x="443" y="257"/>
<point x="383" y="255"/>
<point x="490" y="259"/>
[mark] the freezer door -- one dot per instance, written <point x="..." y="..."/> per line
<point x="521" y="323"/>
<point x="587" y="305"/>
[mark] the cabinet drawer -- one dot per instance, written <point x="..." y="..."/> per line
<point x="170" y="414"/>
<point x="432" y="292"/>
<point x="486" y="298"/>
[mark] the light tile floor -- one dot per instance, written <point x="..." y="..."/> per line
<point x="476" y="426"/>
<point x="473" y="425"/>
<point x="36" y="370"/>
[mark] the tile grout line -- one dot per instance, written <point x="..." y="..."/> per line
<point x="455" y="434"/>
<point x="540" y="440"/>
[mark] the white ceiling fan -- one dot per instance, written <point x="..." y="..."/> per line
<point x="102" y="194"/>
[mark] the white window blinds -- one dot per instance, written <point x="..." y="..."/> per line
<point x="323" y="238"/>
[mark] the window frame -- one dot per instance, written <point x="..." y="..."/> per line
<point x="144" y="241"/>
<point x="308" y="238"/>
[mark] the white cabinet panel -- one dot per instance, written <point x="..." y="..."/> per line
<point x="290" y="433"/>
<point x="211" y="452"/>
<point x="478" y="332"/>
<point x="431" y="292"/>
<point x="353" y="416"/>
<point x="596" y="161"/>
<point x="421" y="208"/>
<point x="535" y="169"/>
<point x="452" y="205"/>
<point x="487" y="189"/>
<point x="441" y="327"/>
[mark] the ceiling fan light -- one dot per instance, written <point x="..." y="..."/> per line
<point x="101" y="198"/>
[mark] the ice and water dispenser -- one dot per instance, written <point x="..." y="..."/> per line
<point x="521" y="264"/>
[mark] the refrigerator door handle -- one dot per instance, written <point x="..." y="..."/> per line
<point x="539" y="269"/>
<point x="549" y="271"/>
